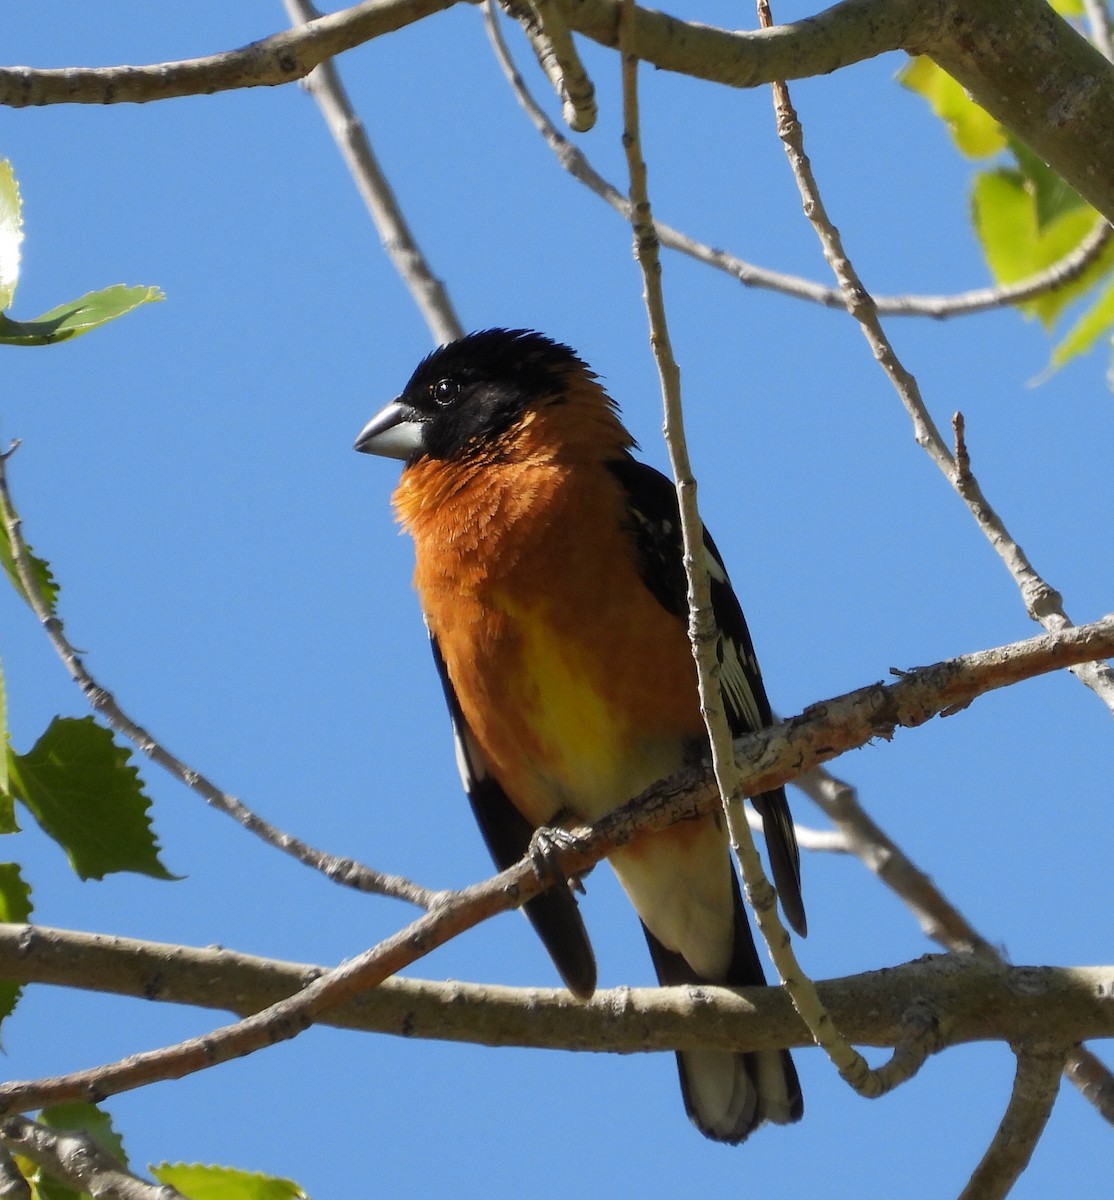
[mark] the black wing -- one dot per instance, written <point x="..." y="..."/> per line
<point x="656" y="524"/>
<point x="554" y="913"/>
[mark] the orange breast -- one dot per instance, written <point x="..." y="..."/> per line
<point x="578" y="686"/>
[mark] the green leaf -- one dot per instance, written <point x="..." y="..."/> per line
<point x="15" y="895"/>
<point x="1015" y="244"/>
<point x="1068" y="8"/>
<point x="45" y="1188"/>
<point x="78" y="785"/>
<point x="4" y="793"/>
<point x="1081" y="337"/>
<point x="40" y="569"/>
<point x="15" y="906"/>
<point x="8" y="823"/>
<point x="11" y="233"/>
<point x="90" y="1120"/>
<point x="77" y="317"/>
<point x="1052" y="194"/>
<point x="974" y="130"/>
<point x="87" y="1119"/>
<point x="224" y="1183"/>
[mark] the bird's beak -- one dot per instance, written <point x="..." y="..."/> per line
<point x="395" y="432"/>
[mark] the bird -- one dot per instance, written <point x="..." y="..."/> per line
<point x="549" y="570"/>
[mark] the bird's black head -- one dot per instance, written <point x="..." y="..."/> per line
<point x="467" y="393"/>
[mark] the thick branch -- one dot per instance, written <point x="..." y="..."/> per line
<point x="1017" y="58"/>
<point x="1035" y="1088"/>
<point x="281" y="58"/>
<point x="1030" y="70"/>
<point x="76" y="1160"/>
<point x="767" y="759"/>
<point x="845" y="34"/>
<point x="974" y="1000"/>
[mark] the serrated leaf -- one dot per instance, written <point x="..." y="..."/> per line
<point x="4" y="793"/>
<point x="973" y="129"/>
<point x="1081" y="337"/>
<point x="40" y="568"/>
<point x="90" y="1120"/>
<point x="200" y="1182"/>
<point x="8" y="823"/>
<point x="1005" y="219"/>
<point x="77" y="317"/>
<point x="81" y="789"/>
<point x="11" y="233"/>
<point x="15" y="906"/>
<point x="85" y="1118"/>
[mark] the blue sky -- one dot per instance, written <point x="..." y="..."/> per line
<point x="232" y="571"/>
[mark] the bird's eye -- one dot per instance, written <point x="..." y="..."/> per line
<point x="444" y="392"/>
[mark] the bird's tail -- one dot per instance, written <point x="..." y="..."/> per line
<point x="727" y="1094"/>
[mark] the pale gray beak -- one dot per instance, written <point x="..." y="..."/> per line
<point x="395" y="432"/>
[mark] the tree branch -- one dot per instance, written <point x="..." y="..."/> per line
<point x="76" y="1160"/>
<point x="940" y="307"/>
<point x="324" y="85"/>
<point x="975" y="999"/>
<point x="1025" y="65"/>
<point x="1035" y="1087"/>
<point x="281" y="58"/>
<point x="767" y="759"/>
<point x="340" y="870"/>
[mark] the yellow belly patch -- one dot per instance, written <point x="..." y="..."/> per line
<point x="583" y="743"/>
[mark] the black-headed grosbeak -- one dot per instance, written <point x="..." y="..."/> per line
<point x="549" y="569"/>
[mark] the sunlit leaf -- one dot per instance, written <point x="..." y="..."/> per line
<point x="1052" y="194"/>
<point x="11" y="233"/>
<point x="90" y="1120"/>
<point x="1016" y="246"/>
<point x="975" y="131"/>
<point x="87" y="1119"/>
<point x="40" y="569"/>
<point x="15" y="906"/>
<point x="84" y="793"/>
<point x="1096" y="322"/>
<point x="5" y="795"/>
<point x="77" y="317"/>
<point x="200" y="1182"/>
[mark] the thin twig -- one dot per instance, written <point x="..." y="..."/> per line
<point x="702" y="631"/>
<point x="73" y="1158"/>
<point x="344" y="871"/>
<point x="324" y="85"/>
<point x="941" y="307"/>
<point x="1098" y="21"/>
<point x="549" y="37"/>
<point x="1094" y="1079"/>
<point x="821" y="841"/>
<point x="1035" y="1086"/>
<point x="938" y="917"/>
<point x="768" y="758"/>
<point x="1042" y="602"/>
<point x="13" y="1186"/>
<point x="864" y="838"/>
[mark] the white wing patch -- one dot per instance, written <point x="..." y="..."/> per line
<point x="737" y="666"/>
<point x="469" y="759"/>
